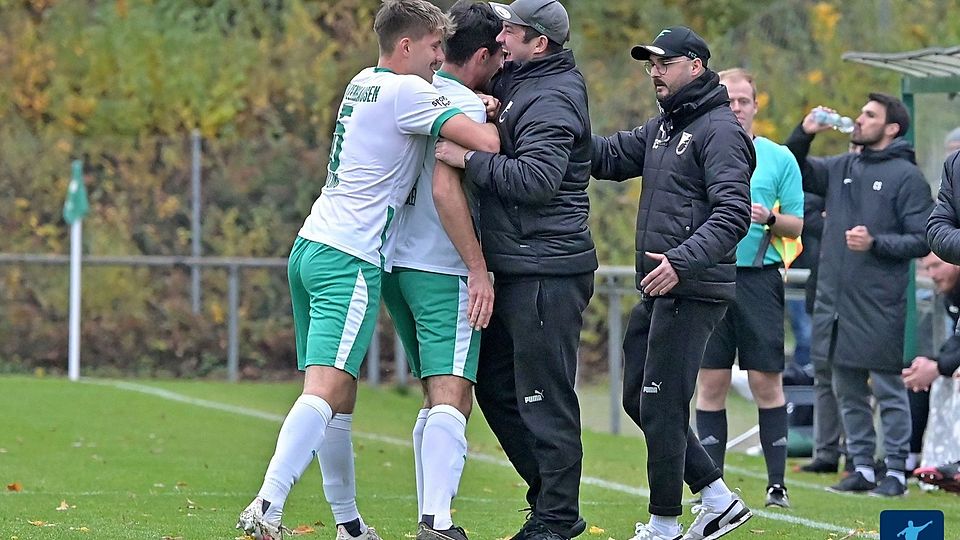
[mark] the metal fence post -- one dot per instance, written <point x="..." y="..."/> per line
<point x="195" y="221"/>
<point x="614" y="352"/>
<point x="233" y="349"/>
<point x="399" y="360"/>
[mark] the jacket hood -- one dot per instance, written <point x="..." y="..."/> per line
<point x="542" y="67"/>
<point x="898" y="149"/>
<point x="697" y="98"/>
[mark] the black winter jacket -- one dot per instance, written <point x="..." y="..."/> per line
<point x="943" y="227"/>
<point x="696" y="162"/>
<point x="948" y="359"/>
<point x="863" y="293"/>
<point x="532" y="197"/>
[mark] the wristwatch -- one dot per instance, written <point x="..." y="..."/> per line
<point x="772" y="219"/>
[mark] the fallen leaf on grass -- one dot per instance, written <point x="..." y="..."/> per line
<point x="304" y="529"/>
<point x="39" y="523"/>
<point x="174" y="537"/>
<point x="16" y="486"/>
<point x="64" y="506"/>
<point x="758" y="531"/>
<point x="81" y="529"/>
<point x="192" y="505"/>
<point x="318" y="523"/>
<point x="596" y="531"/>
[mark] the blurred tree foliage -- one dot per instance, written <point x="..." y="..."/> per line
<point x="122" y="83"/>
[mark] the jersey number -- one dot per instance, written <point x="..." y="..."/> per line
<point x="336" y="146"/>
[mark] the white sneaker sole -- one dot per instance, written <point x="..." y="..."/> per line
<point x="737" y="521"/>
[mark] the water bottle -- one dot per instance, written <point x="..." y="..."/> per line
<point x="843" y="124"/>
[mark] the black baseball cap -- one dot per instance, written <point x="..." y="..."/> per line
<point x="672" y="42"/>
<point x="545" y="16"/>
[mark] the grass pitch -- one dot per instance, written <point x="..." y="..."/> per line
<point x="180" y="459"/>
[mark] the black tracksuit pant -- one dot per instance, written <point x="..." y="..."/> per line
<point x="525" y="387"/>
<point x="663" y="348"/>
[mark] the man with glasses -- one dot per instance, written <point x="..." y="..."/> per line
<point x="748" y="333"/>
<point x="696" y="161"/>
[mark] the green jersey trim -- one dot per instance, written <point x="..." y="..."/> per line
<point x="383" y="70"/>
<point x="438" y="123"/>
<point x="447" y="75"/>
<point x="383" y="235"/>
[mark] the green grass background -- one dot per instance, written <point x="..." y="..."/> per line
<point x="134" y="465"/>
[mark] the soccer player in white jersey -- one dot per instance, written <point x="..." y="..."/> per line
<point x="438" y="291"/>
<point x="385" y="122"/>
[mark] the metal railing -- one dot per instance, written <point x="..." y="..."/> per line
<point x="616" y="283"/>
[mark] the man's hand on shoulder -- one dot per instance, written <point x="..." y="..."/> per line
<point x="661" y="279"/>
<point x="492" y="105"/>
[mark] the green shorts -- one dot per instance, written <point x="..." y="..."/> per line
<point x="430" y="313"/>
<point x="335" y="298"/>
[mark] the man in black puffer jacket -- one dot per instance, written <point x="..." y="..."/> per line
<point x="533" y="210"/>
<point x="943" y="227"/>
<point x="877" y="204"/>
<point x="696" y="162"/>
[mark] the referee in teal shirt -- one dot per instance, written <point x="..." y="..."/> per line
<point x="752" y="329"/>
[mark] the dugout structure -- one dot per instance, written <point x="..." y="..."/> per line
<point x="929" y="85"/>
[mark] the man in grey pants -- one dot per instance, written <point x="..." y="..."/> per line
<point x="877" y="203"/>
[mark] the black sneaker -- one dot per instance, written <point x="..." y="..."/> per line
<point x="540" y="532"/>
<point x="777" y="496"/>
<point x="881" y="467"/>
<point x="889" y="487"/>
<point x="819" y="466"/>
<point x="528" y="526"/>
<point x="855" y="483"/>
<point x="578" y="528"/>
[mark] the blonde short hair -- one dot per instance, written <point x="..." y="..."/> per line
<point x="739" y="74"/>
<point x="412" y="19"/>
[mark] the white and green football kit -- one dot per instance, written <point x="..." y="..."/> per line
<point x="426" y="289"/>
<point x="382" y="133"/>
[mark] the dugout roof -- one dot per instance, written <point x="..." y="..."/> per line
<point x="933" y="70"/>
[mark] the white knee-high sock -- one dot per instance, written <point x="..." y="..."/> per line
<point x="417" y="460"/>
<point x="336" y="466"/>
<point x="300" y="437"/>
<point x="444" y="452"/>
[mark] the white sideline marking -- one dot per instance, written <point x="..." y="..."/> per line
<point x="485" y="458"/>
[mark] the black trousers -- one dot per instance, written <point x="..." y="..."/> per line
<point x="525" y="387"/>
<point x="663" y="347"/>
